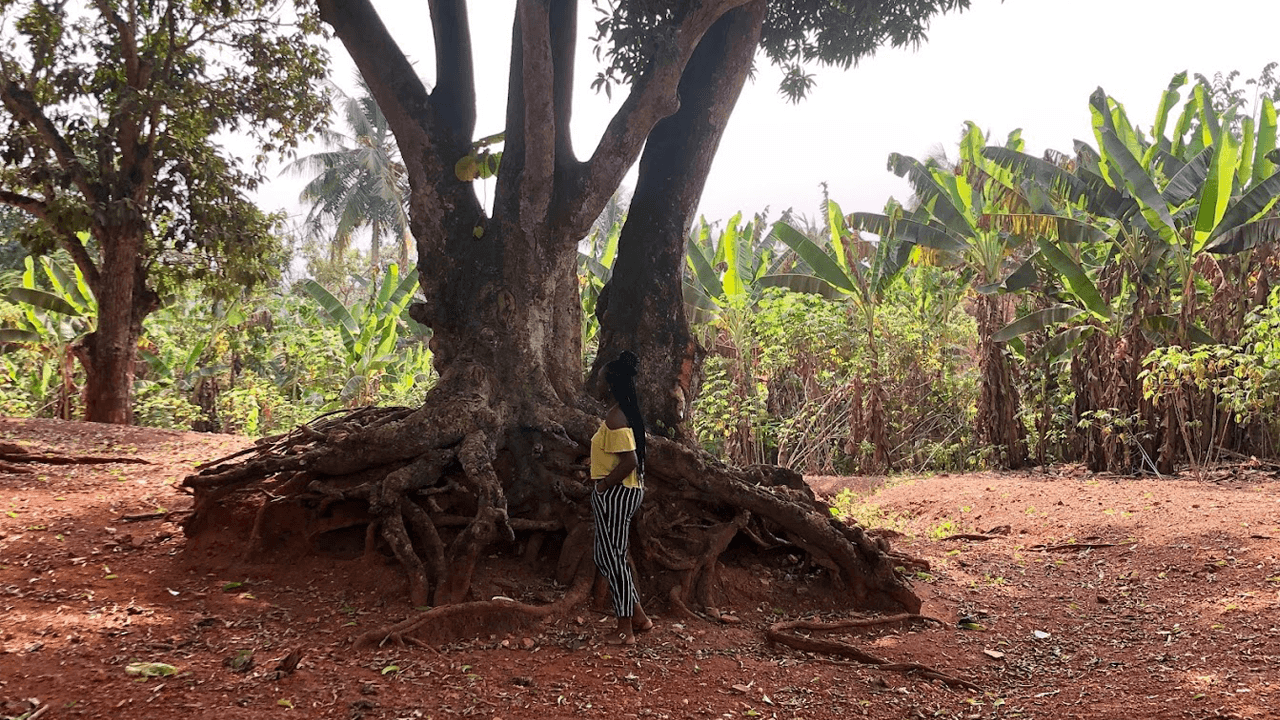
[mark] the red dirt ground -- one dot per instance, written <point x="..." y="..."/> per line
<point x="1174" y="613"/>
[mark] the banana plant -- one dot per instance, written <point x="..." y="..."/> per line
<point x="369" y="331"/>
<point x="51" y="323"/>
<point x="955" y="221"/>
<point x="185" y="365"/>
<point x="861" y="271"/>
<point x="727" y="268"/>
<point x="1203" y="190"/>
<point x="849" y="266"/>
<point x="596" y="254"/>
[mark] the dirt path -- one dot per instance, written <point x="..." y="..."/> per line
<point x="1173" y="611"/>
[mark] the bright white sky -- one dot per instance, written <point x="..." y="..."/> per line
<point x="1027" y="64"/>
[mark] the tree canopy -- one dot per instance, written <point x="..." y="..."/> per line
<point x="795" y="34"/>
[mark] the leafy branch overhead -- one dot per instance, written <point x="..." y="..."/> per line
<point x="796" y="34"/>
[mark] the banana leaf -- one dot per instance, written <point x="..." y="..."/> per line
<point x="1038" y="320"/>
<point x="43" y="300"/>
<point x="703" y="272"/>
<point x="824" y="266"/>
<point x="1183" y="126"/>
<point x="1208" y="117"/>
<point x="698" y="305"/>
<point x="1168" y="99"/>
<point x="72" y="288"/>
<point x="1260" y="198"/>
<point x="1063" y="229"/>
<point x="892" y="255"/>
<point x="351" y="387"/>
<point x="1106" y="200"/>
<point x="802" y="283"/>
<point x="1138" y="182"/>
<point x="1076" y="278"/>
<point x="931" y="193"/>
<point x="1066" y="340"/>
<point x="1039" y="171"/>
<point x="1245" y="237"/>
<point x="1263" y="166"/>
<point x="1167" y="325"/>
<point x="1021" y="278"/>
<point x="734" y="248"/>
<point x="838" y="232"/>
<point x="1187" y="181"/>
<point x="347" y="325"/>
<point x="403" y="291"/>
<point x="1248" y="144"/>
<point x="596" y="270"/>
<point x="910" y="231"/>
<point x="15" y="335"/>
<point x="1216" y="192"/>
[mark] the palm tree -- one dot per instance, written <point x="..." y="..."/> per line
<point x="360" y="182"/>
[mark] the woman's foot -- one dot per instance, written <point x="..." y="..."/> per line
<point x="641" y="622"/>
<point x="620" y="639"/>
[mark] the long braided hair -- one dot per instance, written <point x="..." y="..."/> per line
<point x="620" y="374"/>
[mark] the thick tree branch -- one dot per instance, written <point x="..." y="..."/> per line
<point x="135" y="158"/>
<point x="24" y="107"/>
<point x="653" y="97"/>
<point x="641" y="308"/>
<point x="538" y="79"/>
<point x="69" y="241"/>
<point x="128" y="40"/>
<point x="80" y="256"/>
<point x="441" y="206"/>
<point x="23" y="202"/>
<point x="564" y="41"/>
<point x="455" y="92"/>
<point x="391" y="78"/>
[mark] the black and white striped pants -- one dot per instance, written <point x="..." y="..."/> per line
<point x="613" y="510"/>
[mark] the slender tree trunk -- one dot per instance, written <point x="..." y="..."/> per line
<point x="877" y="429"/>
<point x="642" y="307"/>
<point x="406" y="240"/>
<point x="375" y="247"/>
<point x="999" y="426"/>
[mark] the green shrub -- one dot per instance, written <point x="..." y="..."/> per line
<point x="159" y="406"/>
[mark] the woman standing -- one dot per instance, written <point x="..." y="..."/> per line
<point x="617" y="467"/>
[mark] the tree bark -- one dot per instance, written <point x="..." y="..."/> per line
<point x="108" y="353"/>
<point x="999" y="426"/>
<point x="642" y="307"/>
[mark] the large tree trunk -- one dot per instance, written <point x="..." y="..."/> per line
<point x="642" y="307"/>
<point x="108" y="353"/>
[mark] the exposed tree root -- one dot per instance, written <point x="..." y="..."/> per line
<point x="439" y="488"/>
<point x="1073" y="546"/>
<point x="446" y="624"/>
<point x="11" y="453"/>
<point x="783" y="634"/>
<point x="969" y="536"/>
